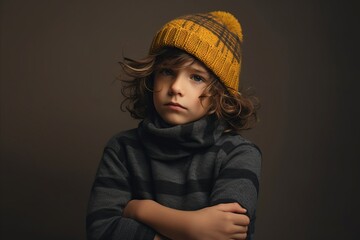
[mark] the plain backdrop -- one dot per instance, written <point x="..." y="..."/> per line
<point x="60" y="103"/>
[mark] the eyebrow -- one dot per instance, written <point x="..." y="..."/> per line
<point x="200" y="69"/>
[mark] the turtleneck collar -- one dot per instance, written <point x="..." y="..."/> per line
<point x="164" y="142"/>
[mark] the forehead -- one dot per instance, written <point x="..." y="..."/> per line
<point x="183" y="61"/>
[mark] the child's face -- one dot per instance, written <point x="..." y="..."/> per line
<point x="177" y="91"/>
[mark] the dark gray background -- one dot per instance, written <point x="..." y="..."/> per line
<point x="60" y="104"/>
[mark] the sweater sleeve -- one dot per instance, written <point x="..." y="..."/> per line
<point x="109" y="195"/>
<point x="238" y="179"/>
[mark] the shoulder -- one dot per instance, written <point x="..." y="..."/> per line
<point x="237" y="151"/>
<point x="230" y="142"/>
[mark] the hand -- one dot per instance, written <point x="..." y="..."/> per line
<point x="219" y="222"/>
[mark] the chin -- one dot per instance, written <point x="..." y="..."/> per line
<point x="175" y="121"/>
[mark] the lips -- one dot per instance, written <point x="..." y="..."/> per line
<point x="175" y="105"/>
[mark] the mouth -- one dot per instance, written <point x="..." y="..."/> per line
<point x="175" y="105"/>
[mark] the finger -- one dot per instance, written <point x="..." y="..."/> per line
<point x="239" y="236"/>
<point x="238" y="229"/>
<point x="241" y="220"/>
<point x="232" y="207"/>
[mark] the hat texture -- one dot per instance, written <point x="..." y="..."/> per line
<point x="214" y="38"/>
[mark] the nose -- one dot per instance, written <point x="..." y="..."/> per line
<point x="176" y="86"/>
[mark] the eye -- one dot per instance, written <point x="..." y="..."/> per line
<point x="166" y="71"/>
<point x="197" y="78"/>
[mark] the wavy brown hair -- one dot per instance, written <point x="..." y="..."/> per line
<point x="238" y="110"/>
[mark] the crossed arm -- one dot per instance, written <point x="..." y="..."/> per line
<point x="223" y="221"/>
<point x="112" y="214"/>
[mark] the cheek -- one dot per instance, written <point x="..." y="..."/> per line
<point x="205" y="103"/>
<point x="201" y="105"/>
<point x="156" y="86"/>
<point x="156" y="98"/>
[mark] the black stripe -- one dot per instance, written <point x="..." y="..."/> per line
<point x="230" y="39"/>
<point x="172" y="188"/>
<point x="240" y="174"/>
<point x="191" y="186"/>
<point x="229" y="146"/>
<point x="107" y="182"/>
<point x="101" y="214"/>
<point x="138" y="187"/>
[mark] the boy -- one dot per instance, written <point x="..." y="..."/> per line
<point x="185" y="172"/>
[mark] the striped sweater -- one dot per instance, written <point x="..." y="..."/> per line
<point x="186" y="167"/>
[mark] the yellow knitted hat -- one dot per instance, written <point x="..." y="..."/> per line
<point x="214" y="38"/>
